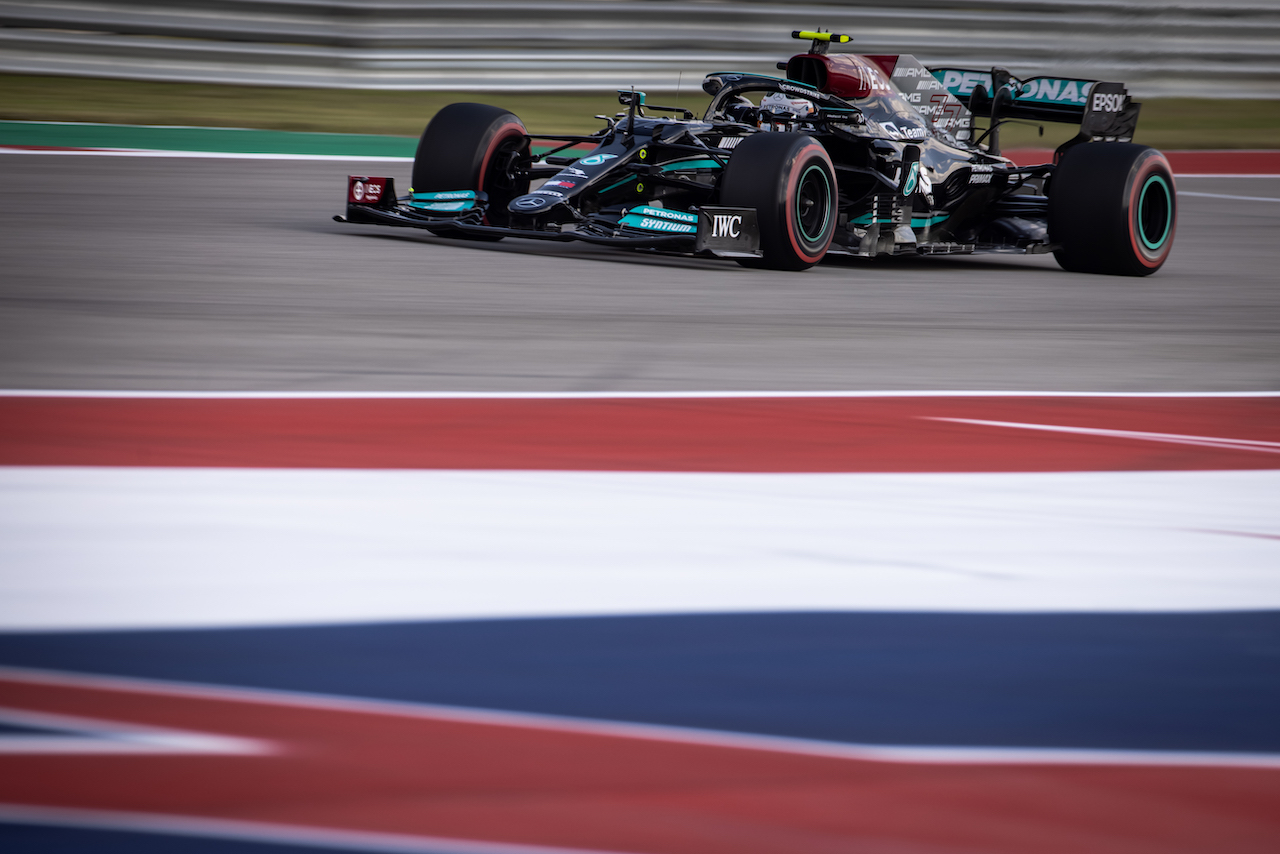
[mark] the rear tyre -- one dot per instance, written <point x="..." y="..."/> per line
<point x="788" y="178"/>
<point x="472" y="147"/>
<point x="1113" y="209"/>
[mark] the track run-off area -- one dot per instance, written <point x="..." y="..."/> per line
<point x="319" y="537"/>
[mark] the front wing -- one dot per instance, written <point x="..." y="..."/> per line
<point x="717" y="231"/>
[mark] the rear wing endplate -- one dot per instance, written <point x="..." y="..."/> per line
<point x="1104" y="110"/>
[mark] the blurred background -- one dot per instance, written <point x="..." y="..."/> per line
<point x="372" y="66"/>
<point x="213" y="653"/>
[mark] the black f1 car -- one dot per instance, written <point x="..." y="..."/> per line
<point x="846" y="155"/>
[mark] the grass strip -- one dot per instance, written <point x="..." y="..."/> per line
<point x="1169" y="123"/>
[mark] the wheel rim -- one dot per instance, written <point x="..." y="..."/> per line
<point x="813" y="204"/>
<point x="500" y="180"/>
<point x="1155" y="213"/>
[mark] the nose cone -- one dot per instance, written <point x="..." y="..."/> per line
<point x="533" y="203"/>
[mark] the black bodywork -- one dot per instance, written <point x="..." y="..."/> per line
<point x="913" y="174"/>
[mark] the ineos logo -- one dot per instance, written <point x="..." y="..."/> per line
<point x="1104" y="103"/>
<point x="366" y="192"/>
<point x="725" y="225"/>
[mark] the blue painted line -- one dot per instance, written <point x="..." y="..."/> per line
<point x="1109" y="681"/>
<point x="36" y="839"/>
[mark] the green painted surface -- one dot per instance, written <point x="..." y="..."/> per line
<point x="235" y="140"/>
<point x="224" y="140"/>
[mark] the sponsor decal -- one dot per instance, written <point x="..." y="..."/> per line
<point x="980" y="173"/>
<point x="726" y="225"/>
<point x="730" y="141"/>
<point x="663" y="213"/>
<point x="446" y="196"/>
<point x="530" y="203"/>
<point x="597" y="159"/>
<point x="665" y="225"/>
<point x="902" y="70"/>
<point x="895" y="132"/>
<point x="913" y="178"/>
<point x="1045" y="90"/>
<point x="555" y="193"/>
<point x="571" y="172"/>
<point x="568" y="185"/>
<point x="1051" y="91"/>
<point x="653" y="223"/>
<point x="1108" y="102"/>
<point x="801" y="90"/>
<point x="367" y="191"/>
<point x="963" y="82"/>
<point x="728" y="232"/>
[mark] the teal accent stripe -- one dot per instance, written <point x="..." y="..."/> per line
<point x="446" y="196"/>
<point x="916" y="221"/>
<point x="1142" y="210"/>
<point x="443" y="207"/>
<point x="626" y="180"/>
<point x="699" y="163"/>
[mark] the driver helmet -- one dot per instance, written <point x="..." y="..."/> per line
<point x="777" y="102"/>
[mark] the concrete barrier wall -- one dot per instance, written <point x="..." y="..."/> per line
<point x="1225" y="49"/>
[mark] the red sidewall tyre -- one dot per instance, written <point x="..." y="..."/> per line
<point x="790" y="181"/>
<point x="1113" y="209"/>
<point x="1150" y="208"/>
<point x="469" y="147"/>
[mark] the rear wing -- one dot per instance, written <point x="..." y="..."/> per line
<point x="1104" y="111"/>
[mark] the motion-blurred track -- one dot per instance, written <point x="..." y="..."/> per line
<point x="162" y="273"/>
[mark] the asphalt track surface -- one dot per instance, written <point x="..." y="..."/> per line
<point x="188" y="273"/>
<point x="1118" y="722"/>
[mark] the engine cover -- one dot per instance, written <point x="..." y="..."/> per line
<point x="844" y="75"/>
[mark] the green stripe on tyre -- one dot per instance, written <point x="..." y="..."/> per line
<point x="826" y="210"/>
<point x="1142" y="208"/>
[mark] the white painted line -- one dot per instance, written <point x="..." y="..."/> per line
<point x="211" y="155"/>
<point x="143" y="394"/>
<point x="96" y="548"/>
<point x="101" y="737"/>
<point x="1225" y="196"/>
<point x="891" y="753"/>
<point x="255" y="831"/>
<point x="1174" y="438"/>
<point x="1181" y="175"/>
<point x="230" y="155"/>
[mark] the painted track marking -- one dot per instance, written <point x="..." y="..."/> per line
<point x="1225" y="196"/>
<point x="1204" y="441"/>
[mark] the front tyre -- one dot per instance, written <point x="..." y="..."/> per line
<point x="789" y="180"/>
<point x="1113" y="209"/>
<point x="472" y="147"/>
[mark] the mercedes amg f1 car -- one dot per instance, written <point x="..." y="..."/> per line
<point x="845" y="155"/>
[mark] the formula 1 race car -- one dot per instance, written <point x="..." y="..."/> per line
<point x="846" y="155"/>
